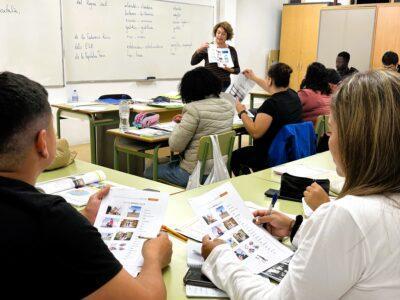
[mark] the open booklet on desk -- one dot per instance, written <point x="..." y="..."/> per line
<point x="76" y="189"/>
<point x="224" y="215"/>
<point x="126" y="218"/>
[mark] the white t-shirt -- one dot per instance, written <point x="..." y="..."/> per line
<point x="348" y="249"/>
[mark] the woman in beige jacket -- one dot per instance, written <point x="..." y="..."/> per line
<point x="205" y="113"/>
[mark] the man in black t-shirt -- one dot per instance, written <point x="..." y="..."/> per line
<point x="49" y="250"/>
<point x="283" y="107"/>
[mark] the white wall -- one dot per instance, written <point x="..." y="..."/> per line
<point x="257" y="32"/>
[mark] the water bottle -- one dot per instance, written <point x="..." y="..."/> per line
<point x="123" y="115"/>
<point x="75" y="97"/>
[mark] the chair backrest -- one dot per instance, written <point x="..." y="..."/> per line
<point x="321" y="127"/>
<point x="115" y="96"/>
<point x="226" y="141"/>
<point x="293" y="141"/>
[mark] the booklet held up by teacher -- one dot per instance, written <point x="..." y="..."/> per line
<point x="225" y="216"/>
<point x="126" y="218"/>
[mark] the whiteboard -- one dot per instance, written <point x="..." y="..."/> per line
<point x="125" y="39"/>
<point x="30" y="40"/>
<point x="348" y="30"/>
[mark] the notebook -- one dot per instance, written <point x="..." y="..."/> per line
<point x="194" y="258"/>
<point x="193" y="291"/>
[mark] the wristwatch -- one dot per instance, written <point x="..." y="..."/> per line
<point x="242" y="112"/>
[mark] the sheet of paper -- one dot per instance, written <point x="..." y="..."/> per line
<point x="221" y="56"/>
<point x="168" y="126"/>
<point x="195" y="230"/>
<point x="240" y="87"/>
<point x="126" y="218"/>
<point x="224" y="215"/>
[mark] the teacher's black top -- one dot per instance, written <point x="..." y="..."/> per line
<point x="48" y="249"/>
<point x="213" y="67"/>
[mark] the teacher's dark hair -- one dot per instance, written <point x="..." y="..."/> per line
<point x="24" y="110"/>
<point x="280" y="74"/>
<point x="198" y="84"/>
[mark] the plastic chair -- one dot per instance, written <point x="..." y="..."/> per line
<point x="322" y="129"/>
<point x="293" y="141"/>
<point x="226" y="141"/>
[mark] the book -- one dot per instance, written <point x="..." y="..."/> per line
<point x="76" y="189"/>
<point x="224" y="215"/>
<point x="126" y="218"/>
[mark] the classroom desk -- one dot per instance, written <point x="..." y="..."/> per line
<point x="137" y="146"/>
<point x="258" y="94"/>
<point x="101" y="120"/>
<point x="79" y="167"/>
<point x="321" y="160"/>
<point x="249" y="187"/>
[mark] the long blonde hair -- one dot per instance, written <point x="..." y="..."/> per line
<point x="366" y="109"/>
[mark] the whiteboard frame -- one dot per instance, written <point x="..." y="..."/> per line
<point x="212" y="3"/>
<point x="62" y="52"/>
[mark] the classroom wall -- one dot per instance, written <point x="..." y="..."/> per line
<point x="258" y="32"/>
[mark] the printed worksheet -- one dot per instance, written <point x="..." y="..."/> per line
<point x="221" y="56"/>
<point x="126" y="218"/>
<point x="241" y="87"/>
<point x="225" y="216"/>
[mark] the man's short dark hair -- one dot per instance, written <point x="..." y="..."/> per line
<point x="390" y="58"/>
<point x="280" y="74"/>
<point x="333" y="76"/>
<point x="345" y="55"/>
<point x="199" y="83"/>
<point x="24" y="109"/>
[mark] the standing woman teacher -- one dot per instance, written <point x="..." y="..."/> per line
<point x="222" y="32"/>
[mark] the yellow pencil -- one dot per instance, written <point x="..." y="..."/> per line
<point x="174" y="233"/>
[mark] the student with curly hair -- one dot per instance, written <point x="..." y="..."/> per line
<point x="315" y="93"/>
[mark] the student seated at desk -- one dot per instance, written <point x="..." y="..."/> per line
<point x="49" y="250"/>
<point x="348" y="248"/>
<point x="334" y="79"/>
<point x="283" y="107"/>
<point x="205" y="113"/>
<point x="315" y="93"/>
<point x="390" y="61"/>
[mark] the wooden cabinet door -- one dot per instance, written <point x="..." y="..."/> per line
<point x="290" y="39"/>
<point x="387" y="35"/>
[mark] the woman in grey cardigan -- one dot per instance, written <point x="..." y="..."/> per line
<point x="205" y="113"/>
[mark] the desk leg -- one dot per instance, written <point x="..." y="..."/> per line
<point x="251" y="101"/>
<point x="58" y="122"/>
<point x="116" y="158"/>
<point x="93" y="151"/>
<point x="155" y="163"/>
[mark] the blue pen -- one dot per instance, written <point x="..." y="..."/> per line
<point x="273" y="202"/>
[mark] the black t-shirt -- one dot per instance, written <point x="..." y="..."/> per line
<point x="284" y="108"/>
<point x="48" y="249"/>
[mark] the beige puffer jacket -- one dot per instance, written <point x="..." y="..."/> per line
<point x="200" y="118"/>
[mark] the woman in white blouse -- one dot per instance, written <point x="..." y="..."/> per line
<point x="349" y="248"/>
